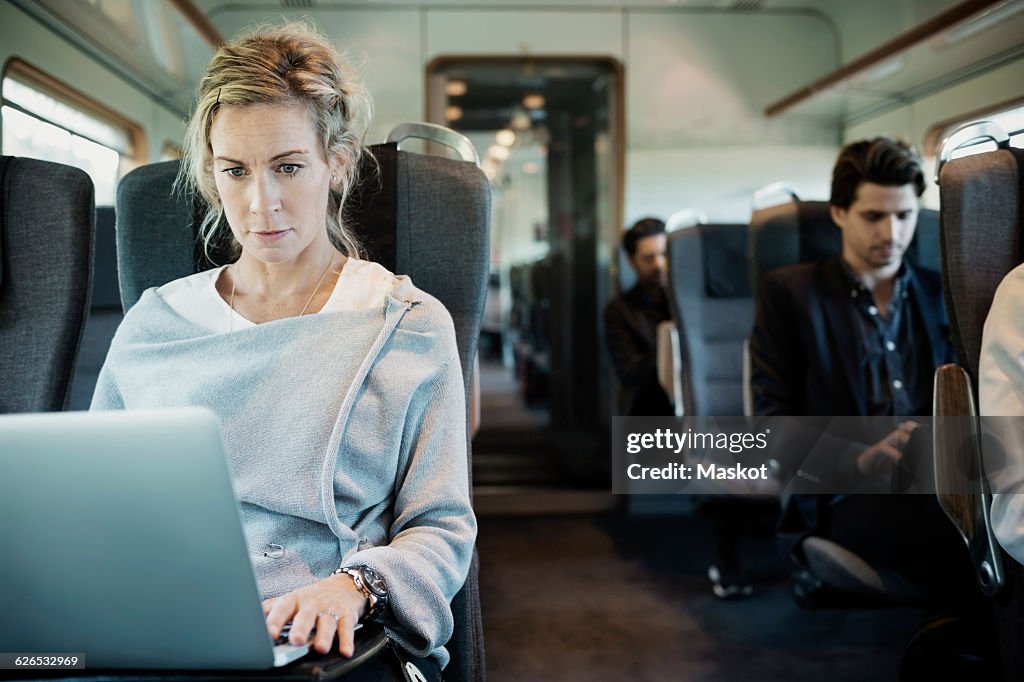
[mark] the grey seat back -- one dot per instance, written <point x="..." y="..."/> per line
<point x="426" y="216"/>
<point x="711" y="304"/>
<point x="104" y="312"/>
<point x="981" y="242"/>
<point x="982" y="222"/>
<point x="802" y="231"/>
<point x="47" y="223"/>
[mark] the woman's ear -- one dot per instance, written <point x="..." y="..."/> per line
<point x="336" y="167"/>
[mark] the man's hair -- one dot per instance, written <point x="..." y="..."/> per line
<point x="882" y="161"/>
<point x="647" y="227"/>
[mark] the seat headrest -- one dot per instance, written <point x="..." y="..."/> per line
<point x="723" y="252"/>
<point x="156" y="234"/>
<point x="803" y="231"/>
<point x="790" y="233"/>
<point x="983" y="239"/>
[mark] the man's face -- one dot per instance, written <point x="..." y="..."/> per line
<point x="649" y="261"/>
<point x="878" y="226"/>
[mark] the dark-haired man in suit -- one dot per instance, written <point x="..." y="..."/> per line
<point x="860" y="334"/>
<point x="631" y="323"/>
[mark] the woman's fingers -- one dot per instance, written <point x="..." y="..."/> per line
<point x="346" y="634"/>
<point x="302" y="623"/>
<point x="281" y="611"/>
<point x="332" y="606"/>
<point x="326" y="626"/>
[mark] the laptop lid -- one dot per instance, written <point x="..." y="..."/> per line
<point x="124" y="542"/>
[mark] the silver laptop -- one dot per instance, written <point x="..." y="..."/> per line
<point x="122" y="542"/>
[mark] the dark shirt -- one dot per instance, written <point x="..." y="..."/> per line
<point x="631" y="325"/>
<point x="816" y="349"/>
<point x="895" y="368"/>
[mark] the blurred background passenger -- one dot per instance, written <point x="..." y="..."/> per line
<point x="631" y="322"/>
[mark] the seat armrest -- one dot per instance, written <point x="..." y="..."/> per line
<point x="670" y="364"/>
<point x="960" y="482"/>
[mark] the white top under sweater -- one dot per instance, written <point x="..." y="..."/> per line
<point x="360" y="286"/>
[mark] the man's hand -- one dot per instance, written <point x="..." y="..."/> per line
<point x="886" y="453"/>
<point x="333" y="605"/>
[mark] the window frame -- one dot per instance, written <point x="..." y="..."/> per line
<point x="49" y="84"/>
<point x="934" y="135"/>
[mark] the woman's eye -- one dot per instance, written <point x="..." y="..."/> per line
<point x="289" y="168"/>
<point x="234" y="172"/>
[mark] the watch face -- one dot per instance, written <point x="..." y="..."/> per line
<point x="374" y="582"/>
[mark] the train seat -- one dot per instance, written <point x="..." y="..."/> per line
<point x="982" y="241"/>
<point x="104" y="312"/>
<point x="802" y="231"/>
<point x="428" y="217"/>
<point x="47" y="222"/>
<point x="713" y="311"/>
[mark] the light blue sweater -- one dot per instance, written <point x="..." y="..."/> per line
<point x="345" y="434"/>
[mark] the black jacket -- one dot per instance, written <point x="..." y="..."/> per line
<point x="631" y="326"/>
<point x="804" y="350"/>
<point x="805" y="361"/>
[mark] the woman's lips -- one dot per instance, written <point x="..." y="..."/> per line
<point x="270" y="236"/>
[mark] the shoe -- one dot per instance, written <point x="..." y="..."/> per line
<point x="729" y="587"/>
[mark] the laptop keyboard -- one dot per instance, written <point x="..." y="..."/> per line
<point x="285" y="653"/>
<point x="283" y="637"/>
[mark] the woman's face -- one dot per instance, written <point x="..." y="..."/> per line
<point x="273" y="179"/>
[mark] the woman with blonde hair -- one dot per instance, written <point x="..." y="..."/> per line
<point x="337" y="383"/>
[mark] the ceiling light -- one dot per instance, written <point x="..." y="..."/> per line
<point x="890" y="67"/>
<point x="505" y="137"/>
<point x="520" y="120"/>
<point x="498" y="152"/>
<point x="980" y="22"/>
<point x="533" y="100"/>
<point x="453" y="113"/>
<point x="455" y="88"/>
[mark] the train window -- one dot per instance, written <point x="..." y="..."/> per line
<point x="171" y="152"/>
<point x="43" y="119"/>
<point x="1009" y="118"/>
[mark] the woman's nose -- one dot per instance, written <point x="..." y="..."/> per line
<point x="265" y="198"/>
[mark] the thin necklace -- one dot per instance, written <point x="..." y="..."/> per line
<point x="231" y="302"/>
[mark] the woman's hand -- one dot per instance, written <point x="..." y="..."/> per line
<point x="333" y="605"/>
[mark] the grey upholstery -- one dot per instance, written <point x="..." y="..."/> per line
<point x="802" y="231"/>
<point x="982" y="220"/>
<point x="439" y="215"/>
<point x="981" y="243"/>
<point x="710" y="299"/>
<point x="104" y="312"/>
<point x="46" y="241"/>
<point x="105" y="292"/>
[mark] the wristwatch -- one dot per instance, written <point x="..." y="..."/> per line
<point x="373" y="587"/>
